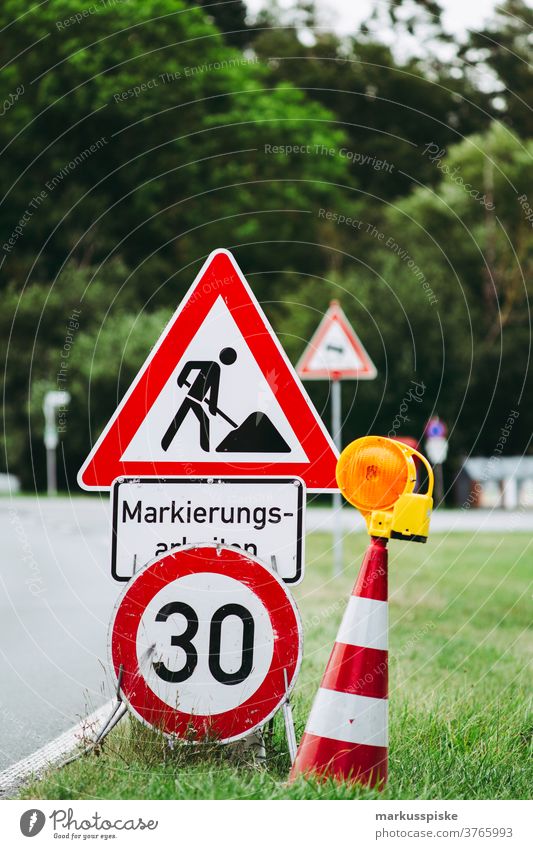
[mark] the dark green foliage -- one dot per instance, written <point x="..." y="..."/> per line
<point x="230" y="18"/>
<point x="504" y="47"/>
<point x="181" y="121"/>
<point x="137" y="138"/>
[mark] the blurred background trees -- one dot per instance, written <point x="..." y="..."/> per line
<point x="137" y="137"/>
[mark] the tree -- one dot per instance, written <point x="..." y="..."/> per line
<point x="139" y="141"/>
<point x="503" y="50"/>
<point x="390" y="108"/>
<point x="230" y="18"/>
<point x="442" y="291"/>
<point x="141" y="134"/>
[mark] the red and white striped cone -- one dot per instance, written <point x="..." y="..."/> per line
<point x="346" y="733"/>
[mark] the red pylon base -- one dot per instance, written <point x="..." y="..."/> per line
<point x="346" y="733"/>
<point x="335" y="759"/>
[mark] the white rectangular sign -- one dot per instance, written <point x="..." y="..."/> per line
<point x="261" y="516"/>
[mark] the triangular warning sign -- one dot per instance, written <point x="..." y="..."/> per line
<point x="216" y="396"/>
<point x="335" y="351"/>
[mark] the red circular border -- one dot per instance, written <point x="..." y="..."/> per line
<point x="264" y="701"/>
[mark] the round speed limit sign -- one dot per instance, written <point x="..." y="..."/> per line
<point x="207" y="638"/>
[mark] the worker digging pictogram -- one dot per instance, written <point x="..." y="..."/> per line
<point x="256" y="433"/>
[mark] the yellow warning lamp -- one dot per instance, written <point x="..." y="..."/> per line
<point x="377" y="475"/>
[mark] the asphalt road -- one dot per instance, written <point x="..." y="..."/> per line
<point x="56" y="598"/>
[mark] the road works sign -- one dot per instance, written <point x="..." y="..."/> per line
<point x="209" y="641"/>
<point x="260" y="516"/>
<point x="335" y="351"/>
<point x="216" y="396"/>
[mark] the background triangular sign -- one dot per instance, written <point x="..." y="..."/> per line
<point x="335" y="351"/>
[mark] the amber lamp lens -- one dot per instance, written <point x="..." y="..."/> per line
<point x="372" y="473"/>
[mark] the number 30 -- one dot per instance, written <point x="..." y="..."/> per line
<point x="184" y="641"/>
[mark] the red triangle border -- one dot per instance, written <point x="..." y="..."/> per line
<point x="219" y="276"/>
<point x="336" y="314"/>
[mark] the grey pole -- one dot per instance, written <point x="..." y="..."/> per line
<point x="439" y="484"/>
<point x="52" y="400"/>
<point x="51" y="471"/>
<point x="336" y="424"/>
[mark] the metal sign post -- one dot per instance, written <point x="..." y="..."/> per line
<point x="50" y="443"/>
<point x="336" y="353"/>
<point x="336" y="425"/>
<point x="437" y="450"/>
<point x="52" y="401"/>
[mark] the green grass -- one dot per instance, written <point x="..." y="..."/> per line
<point x="460" y="683"/>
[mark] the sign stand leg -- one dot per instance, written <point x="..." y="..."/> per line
<point x="286" y="706"/>
<point x="255" y="742"/>
<point x="270" y="731"/>
<point x="336" y="424"/>
<point x="116" y="715"/>
<point x="289" y="721"/>
<point x="119" y="710"/>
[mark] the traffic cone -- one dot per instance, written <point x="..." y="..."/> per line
<point x="346" y="733"/>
